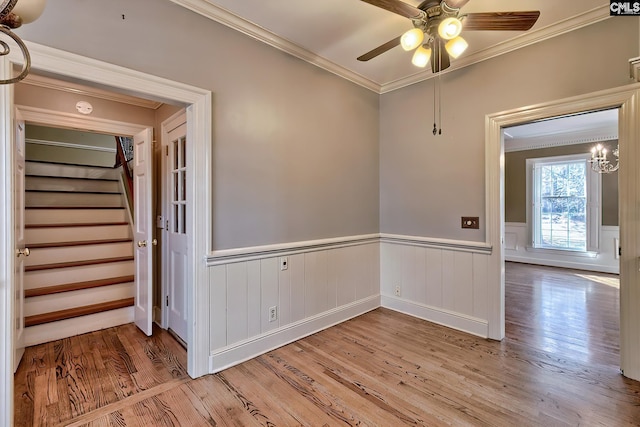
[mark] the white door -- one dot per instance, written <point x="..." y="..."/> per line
<point x="21" y="251"/>
<point x="176" y="228"/>
<point x="143" y="230"/>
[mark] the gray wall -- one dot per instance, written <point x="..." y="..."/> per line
<point x="295" y="153"/>
<point x="427" y="183"/>
<point x="515" y="181"/>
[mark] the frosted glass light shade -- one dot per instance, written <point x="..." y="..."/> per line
<point x="29" y="10"/>
<point x="421" y="57"/>
<point x="412" y="39"/>
<point x="450" y="28"/>
<point x="456" y="47"/>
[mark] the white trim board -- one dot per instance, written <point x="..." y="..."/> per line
<point x="227" y="256"/>
<point x="440" y="316"/>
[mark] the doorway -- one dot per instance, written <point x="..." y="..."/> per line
<point x="73" y="67"/>
<point x="626" y="99"/>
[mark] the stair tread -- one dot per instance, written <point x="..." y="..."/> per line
<point x="77" y="263"/>
<point x="77" y="286"/>
<point x="32" y="175"/>
<point x="76" y="224"/>
<point x="70" y="313"/>
<point x="77" y="243"/>
<point x="71" y="191"/>
<point x="74" y="207"/>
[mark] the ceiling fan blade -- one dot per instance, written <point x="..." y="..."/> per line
<point x="396" y="6"/>
<point x="456" y="4"/>
<point x="507" y="21"/>
<point x="380" y="49"/>
<point x="440" y="58"/>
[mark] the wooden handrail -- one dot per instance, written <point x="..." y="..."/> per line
<point x="121" y="160"/>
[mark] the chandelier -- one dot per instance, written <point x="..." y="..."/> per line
<point x="14" y="13"/>
<point x="599" y="161"/>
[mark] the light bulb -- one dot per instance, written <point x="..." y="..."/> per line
<point x="450" y="28"/>
<point x="421" y="57"/>
<point x="456" y="46"/>
<point x="29" y="10"/>
<point x="412" y="39"/>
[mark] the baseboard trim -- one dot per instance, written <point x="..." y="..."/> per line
<point x="564" y="264"/>
<point x="450" y="319"/>
<point x="240" y="352"/>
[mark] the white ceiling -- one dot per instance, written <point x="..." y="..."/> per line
<point x="333" y="33"/>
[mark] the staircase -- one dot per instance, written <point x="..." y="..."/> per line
<point x="79" y="275"/>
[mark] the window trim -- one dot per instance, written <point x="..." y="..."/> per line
<point x="594" y="195"/>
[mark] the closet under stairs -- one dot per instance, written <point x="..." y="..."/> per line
<point x="79" y="276"/>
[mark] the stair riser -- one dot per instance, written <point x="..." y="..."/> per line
<point x="62" y="184"/>
<point x="66" y="300"/>
<point x="48" y="332"/>
<point x="79" y="234"/>
<point x="60" y="276"/>
<point x="73" y="199"/>
<point x="41" y="256"/>
<point x="48" y="169"/>
<point x="74" y="216"/>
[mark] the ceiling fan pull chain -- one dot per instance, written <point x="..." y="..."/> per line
<point x="435" y="128"/>
<point x="439" y="103"/>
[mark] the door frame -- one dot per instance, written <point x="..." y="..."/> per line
<point x="199" y="115"/>
<point x="627" y="99"/>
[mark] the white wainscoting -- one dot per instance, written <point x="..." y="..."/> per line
<point x="442" y="281"/>
<point x="606" y="260"/>
<point x="327" y="282"/>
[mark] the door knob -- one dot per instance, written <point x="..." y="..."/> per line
<point x="142" y="243"/>
<point x="23" y="252"/>
<point x="154" y="242"/>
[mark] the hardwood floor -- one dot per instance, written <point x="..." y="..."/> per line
<point x="556" y="367"/>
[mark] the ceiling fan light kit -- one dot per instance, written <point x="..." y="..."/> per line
<point x="412" y="39"/>
<point x="456" y="47"/>
<point x="421" y="57"/>
<point x="14" y="13"/>
<point x="438" y="25"/>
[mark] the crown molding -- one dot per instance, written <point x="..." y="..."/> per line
<point x="607" y="133"/>
<point x="231" y="20"/>
<point x="78" y="89"/>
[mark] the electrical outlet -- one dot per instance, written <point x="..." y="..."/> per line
<point x="284" y="263"/>
<point x="397" y="290"/>
<point x="273" y="313"/>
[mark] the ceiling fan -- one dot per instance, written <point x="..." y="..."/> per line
<point x="437" y="26"/>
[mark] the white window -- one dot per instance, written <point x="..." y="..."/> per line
<point x="564" y="211"/>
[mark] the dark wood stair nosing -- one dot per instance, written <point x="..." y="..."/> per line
<point x="77" y="286"/>
<point x="72" y="192"/>
<point x="54" y="316"/>
<point x="74" y="207"/>
<point x="78" y="243"/>
<point x="32" y="175"/>
<point x="76" y="263"/>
